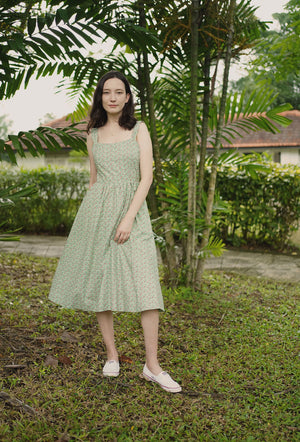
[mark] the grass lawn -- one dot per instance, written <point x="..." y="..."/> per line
<point x="233" y="348"/>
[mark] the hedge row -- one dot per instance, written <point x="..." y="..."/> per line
<point x="52" y="208"/>
<point x="263" y="210"/>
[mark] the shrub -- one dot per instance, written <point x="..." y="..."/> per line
<point x="52" y="208"/>
<point x="264" y="210"/>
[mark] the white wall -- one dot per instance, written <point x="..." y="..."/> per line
<point x="290" y="156"/>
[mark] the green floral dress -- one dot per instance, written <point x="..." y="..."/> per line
<point x="95" y="273"/>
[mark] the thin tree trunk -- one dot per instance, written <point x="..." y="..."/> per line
<point x="204" y="136"/>
<point x="141" y="86"/>
<point x="191" y="216"/>
<point x="151" y="197"/>
<point x="204" y="129"/>
<point x="213" y="175"/>
<point x="151" y="200"/>
<point x="170" y="255"/>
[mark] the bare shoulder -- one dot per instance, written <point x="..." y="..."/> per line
<point x="142" y="128"/>
<point x="143" y="133"/>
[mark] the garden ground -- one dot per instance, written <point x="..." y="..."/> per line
<point x="233" y="348"/>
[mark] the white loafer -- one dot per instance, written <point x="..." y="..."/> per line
<point x="111" y="368"/>
<point x="163" y="379"/>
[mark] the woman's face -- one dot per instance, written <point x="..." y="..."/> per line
<point x="114" y="96"/>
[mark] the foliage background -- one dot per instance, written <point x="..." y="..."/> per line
<point x="275" y="60"/>
<point x="52" y="208"/>
<point x="264" y="210"/>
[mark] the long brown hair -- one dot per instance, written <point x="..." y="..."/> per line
<point x="98" y="115"/>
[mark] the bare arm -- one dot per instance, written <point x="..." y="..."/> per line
<point x="146" y="169"/>
<point x="93" y="170"/>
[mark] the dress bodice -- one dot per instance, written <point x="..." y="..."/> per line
<point x="117" y="162"/>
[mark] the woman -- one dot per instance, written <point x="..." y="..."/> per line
<point x="109" y="262"/>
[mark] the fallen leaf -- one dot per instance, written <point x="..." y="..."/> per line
<point x="15" y="366"/>
<point x="67" y="337"/>
<point x="50" y="361"/>
<point x="4" y="395"/>
<point x="126" y="359"/>
<point x="63" y="438"/>
<point x="44" y="338"/>
<point x="14" y="402"/>
<point x="65" y="360"/>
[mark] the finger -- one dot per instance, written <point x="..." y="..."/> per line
<point x="118" y="235"/>
<point x="123" y="238"/>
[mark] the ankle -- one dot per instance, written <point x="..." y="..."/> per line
<point x="154" y="367"/>
<point x="112" y="356"/>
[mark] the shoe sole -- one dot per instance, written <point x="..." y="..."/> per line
<point x="109" y="375"/>
<point x="170" y="390"/>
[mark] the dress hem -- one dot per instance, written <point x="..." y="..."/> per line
<point x="108" y="309"/>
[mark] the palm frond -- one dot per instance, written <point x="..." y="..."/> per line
<point x="215" y="247"/>
<point x="55" y="40"/>
<point x="249" y="115"/>
<point x="37" y="141"/>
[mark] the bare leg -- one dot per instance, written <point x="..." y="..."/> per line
<point x="105" y="321"/>
<point x="150" y="321"/>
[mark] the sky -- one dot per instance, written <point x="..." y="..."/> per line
<point x="28" y="107"/>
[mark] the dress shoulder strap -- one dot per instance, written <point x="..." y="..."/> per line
<point x="94" y="134"/>
<point x="135" y="129"/>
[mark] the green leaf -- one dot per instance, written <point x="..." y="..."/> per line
<point x="30" y="146"/>
<point x="215" y="247"/>
<point x="6" y="148"/>
<point x="16" y="143"/>
<point x="31" y="25"/>
<point x="41" y="21"/>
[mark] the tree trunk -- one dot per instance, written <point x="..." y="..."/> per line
<point x="217" y="143"/>
<point x="204" y="129"/>
<point x="191" y="216"/>
<point x="141" y="86"/>
<point x="151" y="197"/>
<point x="170" y="256"/>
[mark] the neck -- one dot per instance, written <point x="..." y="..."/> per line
<point x="113" y="119"/>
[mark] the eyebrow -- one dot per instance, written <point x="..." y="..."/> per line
<point x="107" y="89"/>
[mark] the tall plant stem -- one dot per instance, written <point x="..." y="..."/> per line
<point x="191" y="216"/>
<point x="170" y="255"/>
<point x="151" y="197"/>
<point x="217" y="143"/>
<point x="141" y="86"/>
<point x="204" y="128"/>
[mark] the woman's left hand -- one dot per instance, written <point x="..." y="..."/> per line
<point x="123" y="230"/>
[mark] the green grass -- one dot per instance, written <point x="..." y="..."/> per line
<point x="233" y="348"/>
